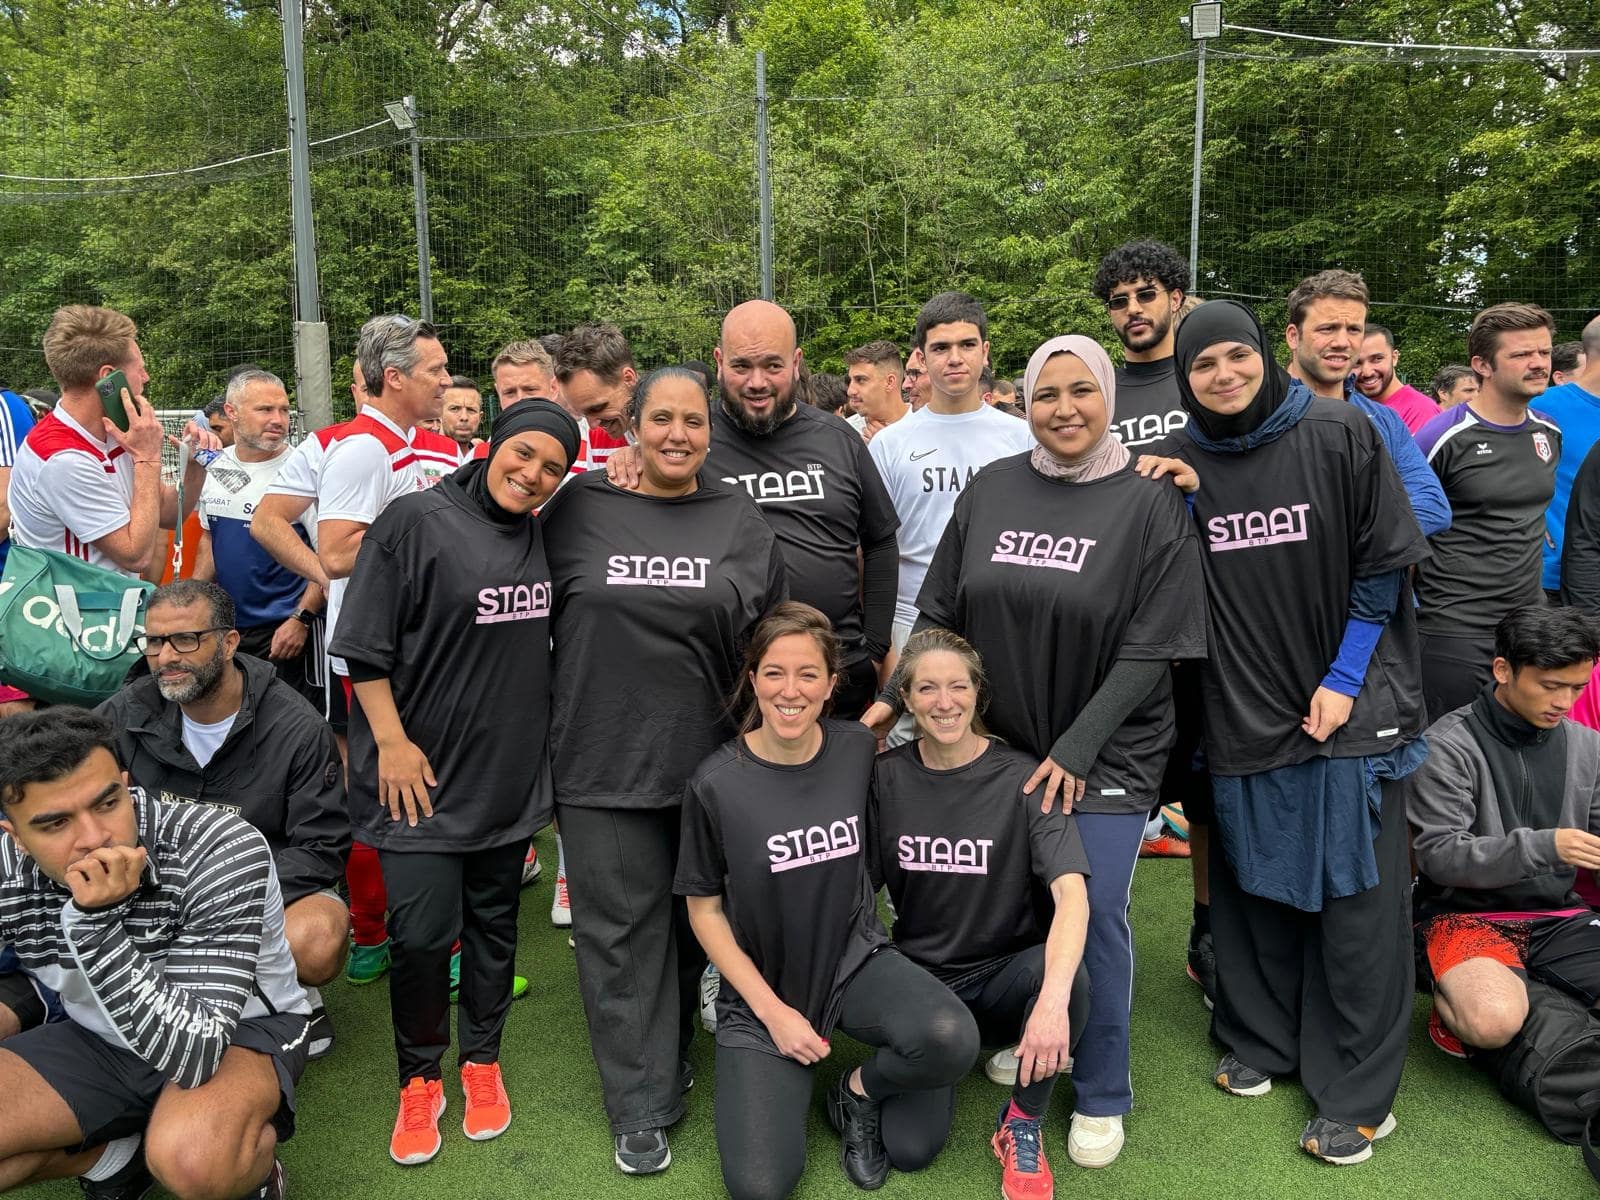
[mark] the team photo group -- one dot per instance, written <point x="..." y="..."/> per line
<point x="853" y="699"/>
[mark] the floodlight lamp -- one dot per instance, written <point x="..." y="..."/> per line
<point x="400" y="114"/>
<point x="1205" y="21"/>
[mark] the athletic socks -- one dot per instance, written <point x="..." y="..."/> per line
<point x="1016" y="1112"/>
<point x="118" y="1154"/>
<point x="1153" y="827"/>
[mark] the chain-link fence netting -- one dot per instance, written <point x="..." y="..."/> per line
<point x="596" y="158"/>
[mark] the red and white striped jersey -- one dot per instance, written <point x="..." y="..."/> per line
<point x="69" y="488"/>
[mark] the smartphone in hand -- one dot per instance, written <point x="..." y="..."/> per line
<point x="110" y="389"/>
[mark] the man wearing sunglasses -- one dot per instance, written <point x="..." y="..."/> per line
<point x="1142" y="284"/>
<point x="212" y="726"/>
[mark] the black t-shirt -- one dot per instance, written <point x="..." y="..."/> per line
<point x="1052" y="582"/>
<point x="782" y="845"/>
<point x="1148" y="408"/>
<point x="823" y="496"/>
<point x="1287" y="528"/>
<point x="654" y="600"/>
<point x="968" y="859"/>
<point x="455" y="610"/>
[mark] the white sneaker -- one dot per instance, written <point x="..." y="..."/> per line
<point x="561" y="905"/>
<point x="1002" y="1067"/>
<point x="710" y="985"/>
<point x="531" y="866"/>
<point x="1094" y="1141"/>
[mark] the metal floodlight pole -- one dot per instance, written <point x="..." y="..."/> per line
<point x="313" y="387"/>
<point x="419" y="190"/>
<point x="1205" y="23"/>
<point x="763" y="175"/>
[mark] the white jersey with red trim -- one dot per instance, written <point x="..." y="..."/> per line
<point x="372" y="463"/>
<point x="69" y="488"/>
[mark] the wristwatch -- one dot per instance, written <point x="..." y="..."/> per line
<point x="305" y="616"/>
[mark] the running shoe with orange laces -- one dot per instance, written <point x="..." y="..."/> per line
<point x="488" y="1107"/>
<point x="416" y="1130"/>
<point x="1019" y="1145"/>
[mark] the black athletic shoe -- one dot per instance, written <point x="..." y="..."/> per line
<point x="685" y="1075"/>
<point x="643" y="1153"/>
<point x="1202" y="966"/>
<point x="133" y="1182"/>
<point x="1241" y="1079"/>
<point x="861" y="1152"/>
<point x="273" y="1188"/>
<point x="319" y="1034"/>
<point x="1340" y="1144"/>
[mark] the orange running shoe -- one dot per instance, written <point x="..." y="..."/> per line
<point x="1019" y="1145"/>
<point x="416" y="1130"/>
<point x="1165" y="846"/>
<point x="488" y="1112"/>
<point x="1441" y="1036"/>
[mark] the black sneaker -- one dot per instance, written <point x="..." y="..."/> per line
<point x="1340" y="1144"/>
<point x="133" y="1182"/>
<point x="685" y="1075"/>
<point x="1239" y="1079"/>
<point x="273" y="1188"/>
<point x="319" y="1034"/>
<point x="1202" y="966"/>
<point x="861" y="1152"/>
<point x="643" y="1153"/>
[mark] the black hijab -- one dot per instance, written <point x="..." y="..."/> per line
<point x="1227" y="321"/>
<point x="525" y="416"/>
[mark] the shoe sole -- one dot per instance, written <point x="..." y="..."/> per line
<point x="561" y="918"/>
<point x="836" y="1119"/>
<point x="363" y="980"/>
<point x="1361" y="1156"/>
<point x="484" y="1135"/>
<point x="1095" y="1159"/>
<point x="1260" y="1089"/>
<point x="627" y="1170"/>
<point x="415" y="1161"/>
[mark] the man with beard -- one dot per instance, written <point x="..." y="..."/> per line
<point x="815" y="483"/>
<point x="209" y="725"/>
<point x="1143" y="284"/>
<point x="276" y="607"/>
<point x="1496" y="458"/>
<point x="462" y="413"/>
<point x="1376" y="380"/>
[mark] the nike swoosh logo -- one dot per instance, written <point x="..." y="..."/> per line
<point x="916" y="454"/>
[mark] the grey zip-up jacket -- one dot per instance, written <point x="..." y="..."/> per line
<point x="1483" y="847"/>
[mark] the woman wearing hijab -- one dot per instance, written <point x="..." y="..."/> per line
<point x="656" y="592"/>
<point x="1075" y="579"/>
<point x="446" y="628"/>
<point x="1312" y="702"/>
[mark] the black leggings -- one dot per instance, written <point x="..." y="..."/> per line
<point x="926" y="1040"/>
<point x="1002" y="1005"/>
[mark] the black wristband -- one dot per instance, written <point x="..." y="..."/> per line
<point x="304" y="615"/>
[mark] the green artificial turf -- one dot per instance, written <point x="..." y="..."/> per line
<point x="1456" y="1137"/>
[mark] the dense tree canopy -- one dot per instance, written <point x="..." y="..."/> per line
<point x="596" y="158"/>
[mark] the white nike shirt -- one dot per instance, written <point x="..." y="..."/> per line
<point x="926" y="458"/>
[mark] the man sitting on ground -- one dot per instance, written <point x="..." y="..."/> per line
<point x="213" y="726"/>
<point x="1504" y="811"/>
<point x="161" y="925"/>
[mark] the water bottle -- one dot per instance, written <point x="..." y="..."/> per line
<point x="204" y="457"/>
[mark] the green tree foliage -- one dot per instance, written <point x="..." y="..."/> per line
<point x="590" y="158"/>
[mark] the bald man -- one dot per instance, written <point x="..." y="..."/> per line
<point x="816" y="485"/>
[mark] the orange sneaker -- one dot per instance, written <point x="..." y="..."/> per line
<point x="1439" y="1033"/>
<point x="488" y="1108"/>
<point x="1165" y="846"/>
<point x="1024" y="1171"/>
<point x="416" y="1130"/>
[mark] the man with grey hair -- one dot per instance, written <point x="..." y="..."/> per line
<point x="277" y="610"/>
<point x="378" y="457"/>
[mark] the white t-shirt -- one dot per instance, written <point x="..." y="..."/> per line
<point x="68" y="488"/>
<point x="203" y="741"/>
<point x="925" y="459"/>
<point x="372" y="465"/>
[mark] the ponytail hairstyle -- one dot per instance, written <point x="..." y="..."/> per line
<point x="789" y="617"/>
<point x="928" y="641"/>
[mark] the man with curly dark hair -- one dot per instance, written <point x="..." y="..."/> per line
<point x="1143" y="284"/>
